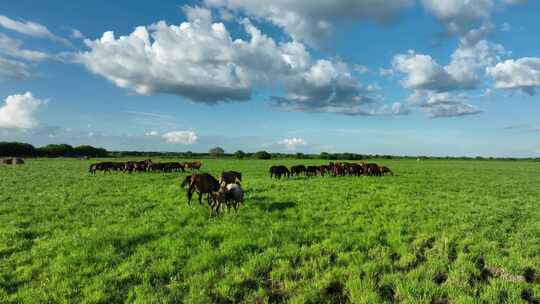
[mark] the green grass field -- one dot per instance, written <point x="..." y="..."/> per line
<point x="438" y="232"/>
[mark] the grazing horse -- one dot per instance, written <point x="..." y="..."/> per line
<point x="230" y="177"/>
<point x="311" y="170"/>
<point x="7" y="161"/>
<point x="193" y="165"/>
<point x="104" y="166"/>
<point x="278" y="171"/>
<point x="202" y="183"/>
<point x="372" y="169"/>
<point x="385" y="170"/>
<point x="297" y="170"/>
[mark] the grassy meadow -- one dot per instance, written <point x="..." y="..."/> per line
<point x="437" y="232"/>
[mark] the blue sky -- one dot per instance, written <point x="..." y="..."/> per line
<point x="403" y="77"/>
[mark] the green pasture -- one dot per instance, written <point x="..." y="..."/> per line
<point x="437" y="232"/>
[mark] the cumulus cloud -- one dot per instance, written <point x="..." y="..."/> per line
<point x="434" y="85"/>
<point x="521" y="74"/>
<point x="10" y="69"/>
<point x="424" y="73"/>
<point x="76" y="34"/>
<point x="442" y="105"/>
<point x="465" y="17"/>
<point x="29" y="28"/>
<point x="197" y="59"/>
<point x="292" y="143"/>
<point x="329" y="87"/>
<point x="18" y="111"/>
<point x="180" y="137"/>
<point x="313" y="21"/>
<point x="12" y="48"/>
<point x="200" y="61"/>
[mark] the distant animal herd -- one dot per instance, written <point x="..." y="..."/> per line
<point x="332" y="169"/>
<point x="13" y="161"/>
<point x="227" y="191"/>
<point x="144" y="166"/>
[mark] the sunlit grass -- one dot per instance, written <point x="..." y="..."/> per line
<point x="67" y="236"/>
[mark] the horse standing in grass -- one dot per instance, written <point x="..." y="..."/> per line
<point x="202" y="183"/>
<point x="385" y="170"/>
<point x="279" y="171"/>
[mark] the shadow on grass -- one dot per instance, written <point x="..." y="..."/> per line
<point x="275" y="206"/>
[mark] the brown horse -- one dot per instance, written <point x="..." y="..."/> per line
<point x="203" y="183"/>
<point x="193" y="165"/>
<point x="230" y="177"/>
<point x="385" y="170"/>
<point x="278" y="171"/>
<point x="7" y="161"/>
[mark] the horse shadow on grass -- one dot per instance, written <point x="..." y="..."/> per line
<point x="263" y="203"/>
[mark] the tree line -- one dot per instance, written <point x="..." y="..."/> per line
<point x="16" y="149"/>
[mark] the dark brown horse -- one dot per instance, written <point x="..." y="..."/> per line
<point x="230" y="177"/>
<point x="298" y="170"/>
<point x="279" y="171"/>
<point x="202" y="183"/>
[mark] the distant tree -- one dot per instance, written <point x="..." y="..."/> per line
<point x="216" y="152"/>
<point x="300" y="156"/>
<point x="324" y="155"/>
<point x="262" y="155"/>
<point x="86" y="150"/>
<point x="188" y="154"/>
<point x="62" y="150"/>
<point x="240" y="154"/>
<point x="15" y="149"/>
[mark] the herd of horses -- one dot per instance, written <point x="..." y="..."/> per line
<point x="227" y="191"/>
<point x="144" y="166"/>
<point x="332" y="169"/>
<point x="13" y="161"/>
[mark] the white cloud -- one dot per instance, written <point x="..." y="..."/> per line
<point x="292" y="143"/>
<point x="200" y="61"/>
<point x="424" y="73"/>
<point x="468" y="19"/>
<point x="362" y="69"/>
<point x="18" y="111"/>
<point x="523" y="74"/>
<point x="151" y="133"/>
<point x="386" y="72"/>
<point x="328" y="87"/>
<point x="12" y="47"/>
<point x="197" y="59"/>
<point x="29" y="28"/>
<point x="442" y="105"/>
<point x="313" y="21"/>
<point x="180" y="137"/>
<point x="76" y="34"/>
<point x="10" y="69"/>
